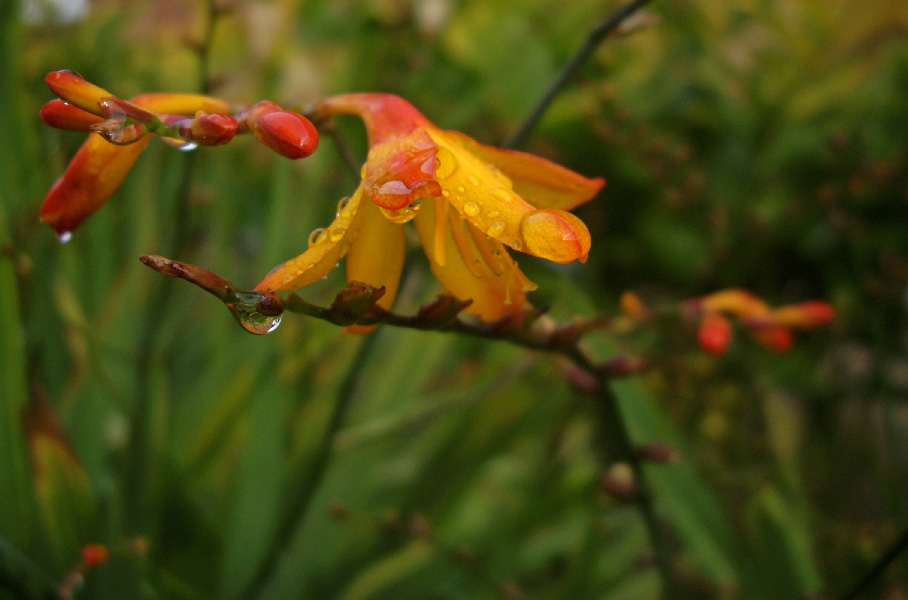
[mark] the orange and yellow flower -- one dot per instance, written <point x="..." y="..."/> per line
<point x="469" y="202"/>
<point x="770" y="327"/>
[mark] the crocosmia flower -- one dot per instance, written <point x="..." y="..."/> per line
<point x="121" y="132"/>
<point x="470" y="204"/>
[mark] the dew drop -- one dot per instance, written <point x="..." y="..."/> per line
<point x="401" y="215"/>
<point x="445" y="163"/>
<point x="317" y="236"/>
<point x="343" y="211"/>
<point x="461" y="189"/>
<point x="64" y="236"/>
<point x="504" y="195"/>
<point x="180" y="144"/>
<point x="472" y="179"/>
<point x="496" y="228"/>
<point x="337" y="233"/>
<point x="250" y="310"/>
<point x="493" y="214"/>
<point x="471" y="209"/>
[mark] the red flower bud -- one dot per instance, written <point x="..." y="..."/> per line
<point x="209" y="130"/>
<point x="288" y="133"/>
<point x="61" y="115"/>
<point x="776" y="339"/>
<point x="715" y="333"/>
<point x="94" y="555"/>
<point x="805" y="315"/>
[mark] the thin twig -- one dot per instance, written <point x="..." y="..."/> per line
<point x="343" y="147"/>
<point x="898" y="547"/>
<point x="595" y="37"/>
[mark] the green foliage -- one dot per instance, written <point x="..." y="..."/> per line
<point x="757" y="145"/>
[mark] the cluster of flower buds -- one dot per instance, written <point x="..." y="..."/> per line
<point x="771" y="327"/>
<point x="123" y="127"/>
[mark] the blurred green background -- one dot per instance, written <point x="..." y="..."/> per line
<point x="758" y="144"/>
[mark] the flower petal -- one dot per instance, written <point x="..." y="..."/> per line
<point x="493" y="295"/>
<point x="326" y="248"/>
<point x="377" y="256"/>
<point x="401" y="170"/>
<point x="182" y="104"/>
<point x="540" y="182"/>
<point x="93" y="175"/>
<point x="483" y="196"/>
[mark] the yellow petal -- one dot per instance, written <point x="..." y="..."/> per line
<point x="496" y="290"/>
<point x="540" y="182"/>
<point x="322" y="256"/>
<point x="483" y="195"/>
<point x="556" y="235"/>
<point x="377" y="256"/>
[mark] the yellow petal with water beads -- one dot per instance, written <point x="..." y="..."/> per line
<point x="327" y="246"/>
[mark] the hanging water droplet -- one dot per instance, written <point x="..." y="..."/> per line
<point x="496" y="228"/>
<point x="257" y="313"/>
<point x="317" y="236"/>
<point x="343" y="211"/>
<point x="64" y="236"/>
<point x="445" y="163"/>
<point x="472" y="179"/>
<point x="471" y="209"/>
<point x="180" y="143"/>
<point x="401" y="215"/>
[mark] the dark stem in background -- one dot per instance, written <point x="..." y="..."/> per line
<point x="595" y="37"/>
<point x="307" y="484"/>
<point x="612" y="420"/>
<point x="863" y="585"/>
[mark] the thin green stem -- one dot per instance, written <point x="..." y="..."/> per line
<point x="304" y="488"/>
<point x="595" y="37"/>
<point x="22" y="578"/>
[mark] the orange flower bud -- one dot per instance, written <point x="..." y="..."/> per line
<point x="738" y="302"/>
<point x="715" y="333"/>
<point x="632" y="306"/>
<point x="72" y="88"/>
<point x="805" y="315"/>
<point x="61" y="115"/>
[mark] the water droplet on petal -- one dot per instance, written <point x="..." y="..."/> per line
<point x="496" y="228"/>
<point x="493" y="214"/>
<point x="471" y="209"/>
<point x="472" y="179"/>
<point x="504" y="195"/>
<point x="445" y="193"/>
<point x="445" y="163"/>
<point x="337" y="233"/>
<point x="64" y="236"/>
<point x="317" y="236"/>
<point x="461" y="189"/>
